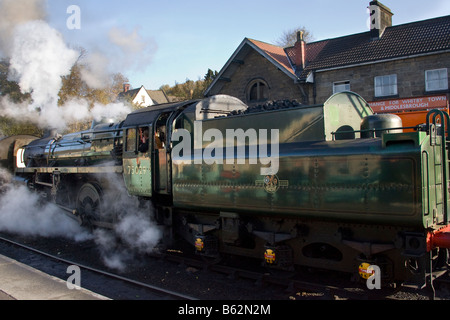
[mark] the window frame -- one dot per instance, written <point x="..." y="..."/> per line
<point x="340" y="83"/>
<point x="131" y="140"/>
<point x="385" y="92"/>
<point x="249" y="89"/>
<point x="427" y="85"/>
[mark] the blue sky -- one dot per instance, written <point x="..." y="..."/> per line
<point x="185" y="38"/>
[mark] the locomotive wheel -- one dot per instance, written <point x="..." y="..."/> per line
<point x="89" y="202"/>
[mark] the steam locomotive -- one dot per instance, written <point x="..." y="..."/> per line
<point x="330" y="186"/>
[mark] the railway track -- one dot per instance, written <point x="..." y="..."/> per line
<point x="290" y="286"/>
<point x="259" y="279"/>
<point x="313" y="287"/>
<point x="294" y="288"/>
<point x="158" y="292"/>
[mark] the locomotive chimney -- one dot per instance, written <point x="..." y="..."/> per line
<point x="300" y="51"/>
<point x="50" y="133"/>
<point x="380" y="19"/>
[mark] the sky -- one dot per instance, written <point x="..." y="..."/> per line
<point x="174" y="40"/>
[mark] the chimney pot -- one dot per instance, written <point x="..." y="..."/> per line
<point x="126" y="87"/>
<point x="380" y="19"/>
<point x="300" y="51"/>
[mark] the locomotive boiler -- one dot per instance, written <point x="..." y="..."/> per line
<point x="328" y="186"/>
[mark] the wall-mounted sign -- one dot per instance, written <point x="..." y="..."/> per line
<point x="409" y="104"/>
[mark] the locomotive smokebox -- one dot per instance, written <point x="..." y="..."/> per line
<point x="9" y="147"/>
<point x="374" y="125"/>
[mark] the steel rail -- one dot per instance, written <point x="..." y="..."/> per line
<point x="171" y="293"/>
<point x="329" y="291"/>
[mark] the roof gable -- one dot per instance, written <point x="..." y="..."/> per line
<point x="271" y="52"/>
<point x="276" y="54"/>
<point x="134" y="96"/>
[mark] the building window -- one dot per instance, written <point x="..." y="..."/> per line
<point x="258" y="90"/>
<point x="436" y="79"/>
<point x="386" y="85"/>
<point x="341" y="86"/>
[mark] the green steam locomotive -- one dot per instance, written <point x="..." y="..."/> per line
<point x="330" y="186"/>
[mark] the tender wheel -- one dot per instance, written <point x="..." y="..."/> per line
<point x="89" y="202"/>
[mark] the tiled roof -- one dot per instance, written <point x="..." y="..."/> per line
<point x="420" y="37"/>
<point x="275" y="52"/>
<point x="398" y="41"/>
<point x="158" y="96"/>
<point x="129" y="94"/>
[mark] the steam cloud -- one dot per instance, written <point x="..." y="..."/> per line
<point x="23" y="212"/>
<point x="135" y="227"/>
<point x="15" y="13"/>
<point x="127" y="50"/>
<point x="39" y="57"/>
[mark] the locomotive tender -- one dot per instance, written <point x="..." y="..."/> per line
<point x="342" y="187"/>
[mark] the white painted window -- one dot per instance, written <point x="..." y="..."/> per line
<point x="341" y="86"/>
<point x="386" y="85"/>
<point x="436" y="79"/>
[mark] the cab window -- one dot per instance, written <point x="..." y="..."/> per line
<point x="160" y="131"/>
<point x="143" y="139"/>
<point x="131" y="140"/>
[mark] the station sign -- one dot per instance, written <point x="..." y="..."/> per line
<point x="410" y="104"/>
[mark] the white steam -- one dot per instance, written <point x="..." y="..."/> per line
<point x="130" y="49"/>
<point x="138" y="235"/>
<point x="14" y="13"/>
<point x="135" y="229"/>
<point x="126" y="50"/>
<point x="22" y="212"/>
<point x="25" y="213"/>
<point x="95" y="71"/>
<point x="39" y="58"/>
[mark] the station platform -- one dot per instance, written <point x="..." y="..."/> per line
<point x="21" y="282"/>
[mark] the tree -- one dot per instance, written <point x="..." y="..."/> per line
<point x="74" y="87"/>
<point x="289" y="37"/>
<point x="10" y="88"/>
<point x="210" y="76"/>
<point x="8" y="126"/>
<point x="190" y="89"/>
<point x="11" y="127"/>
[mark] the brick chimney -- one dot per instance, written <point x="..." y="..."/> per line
<point x="380" y="19"/>
<point x="299" y="58"/>
<point x="126" y="87"/>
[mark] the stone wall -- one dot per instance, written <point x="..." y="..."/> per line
<point x="410" y="77"/>
<point x="255" y="66"/>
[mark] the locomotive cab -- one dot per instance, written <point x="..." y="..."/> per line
<point x="146" y="157"/>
